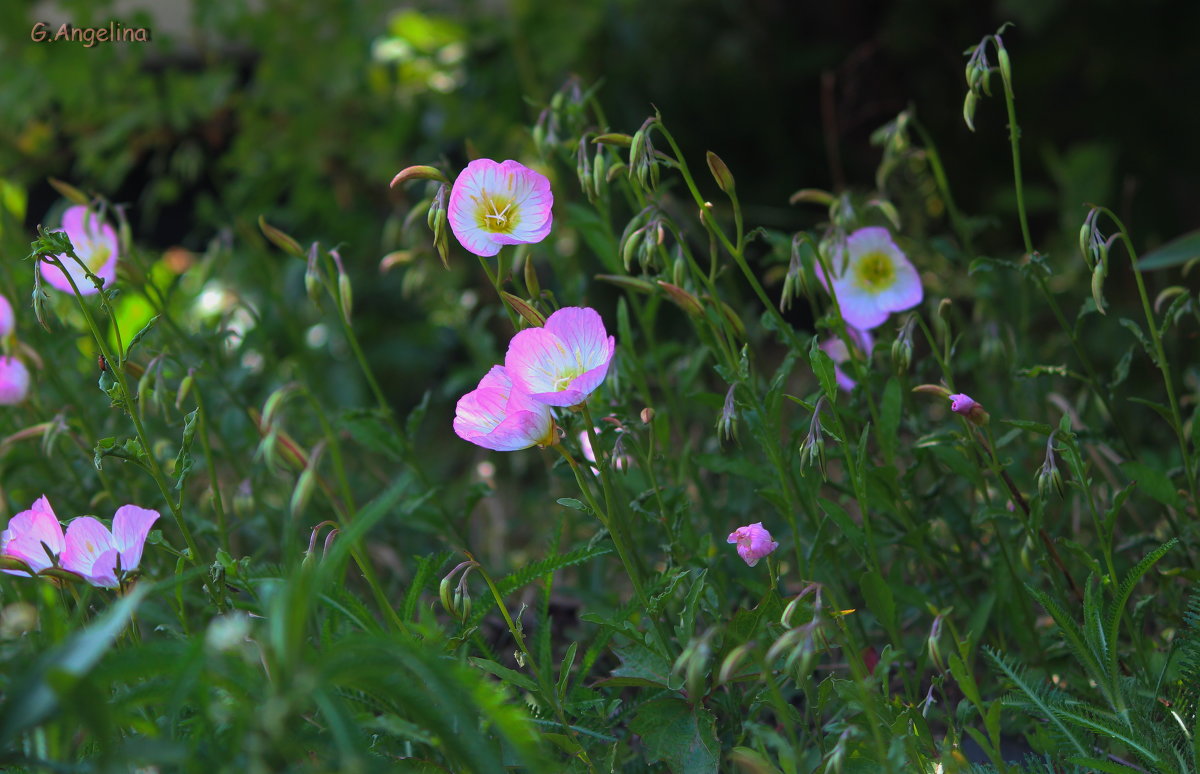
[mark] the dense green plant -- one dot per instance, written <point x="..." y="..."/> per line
<point x="463" y="610"/>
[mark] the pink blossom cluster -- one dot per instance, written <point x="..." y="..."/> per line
<point x="558" y="364"/>
<point x="871" y="278"/>
<point x="101" y="557"/>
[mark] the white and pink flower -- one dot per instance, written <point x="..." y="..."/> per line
<point x="564" y="361"/>
<point x="495" y="204"/>
<point x="872" y="279"/>
<point x="500" y="416"/>
<point x="95" y="242"/>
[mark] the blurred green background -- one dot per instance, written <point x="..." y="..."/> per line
<point x="303" y="111"/>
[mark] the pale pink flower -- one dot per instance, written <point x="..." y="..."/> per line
<point x="492" y="205"/>
<point x="30" y="534"/>
<point x="836" y="349"/>
<point x="98" y="555"/>
<point x="873" y="280"/>
<point x="95" y="243"/>
<point x="14" y="380"/>
<point x="500" y="416"/>
<point x="8" y="321"/>
<point x="564" y="361"/>
<point x="753" y="542"/>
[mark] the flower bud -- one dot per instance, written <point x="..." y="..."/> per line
<point x="1049" y="478"/>
<point x="727" y="422"/>
<point x="812" y="196"/>
<point x="345" y="295"/>
<point x="1085" y="238"/>
<point x="969" y="110"/>
<point x="965" y="405"/>
<point x="312" y="276"/>
<point x="902" y="347"/>
<point x="68" y="191"/>
<point x="1005" y="64"/>
<point x="532" y="286"/>
<point x="185" y="387"/>
<point x="280" y="239"/>
<point x="614" y="138"/>
<point x="599" y="171"/>
<point x="683" y="299"/>
<point x="527" y="312"/>
<point x="1098" y="273"/>
<point x="812" y="450"/>
<point x="583" y="170"/>
<point x="647" y="415"/>
<point x="932" y="389"/>
<point x="720" y="173"/>
<point x="417" y="173"/>
<point x="734" y="660"/>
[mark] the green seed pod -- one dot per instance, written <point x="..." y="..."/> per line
<point x="1005" y="66"/>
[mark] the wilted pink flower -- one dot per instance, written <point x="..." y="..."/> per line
<point x="95" y="243"/>
<point x="876" y="279"/>
<point x="492" y="205"/>
<point x="14" y="380"/>
<point x="499" y="415"/>
<point x="561" y="363"/>
<point x="29" y="534"/>
<point x="97" y="554"/>
<point x="836" y="349"/>
<point x="753" y="542"/>
<point x="968" y="407"/>
<point x="8" y="321"/>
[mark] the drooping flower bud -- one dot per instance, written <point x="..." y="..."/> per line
<point x="966" y="406"/>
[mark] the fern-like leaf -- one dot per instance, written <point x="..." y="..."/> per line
<point x="1036" y="696"/>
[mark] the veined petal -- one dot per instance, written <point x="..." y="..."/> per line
<point x="582" y="331"/>
<point x="131" y="525"/>
<point x="495" y="204"/>
<point x="859" y="306"/>
<point x="103" y="572"/>
<point x="906" y="290"/>
<point x="95" y="243"/>
<point x="537" y="360"/>
<point x="499" y="416"/>
<point x="86" y="540"/>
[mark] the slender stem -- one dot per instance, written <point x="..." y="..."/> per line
<point x="118" y="369"/>
<point x="218" y="501"/>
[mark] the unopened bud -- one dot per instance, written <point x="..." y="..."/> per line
<point x="969" y="109"/>
<point x="1085" y="239"/>
<point x="527" y="312"/>
<point x="280" y="239"/>
<point x="966" y="406"/>
<point x="1005" y="64"/>
<point x="532" y="286"/>
<point x="812" y="196"/>
<point x="647" y="415"/>
<point x="185" y="387"/>
<point x="345" y="295"/>
<point x="599" y="171"/>
<point x="312" y="276"/>
<point x="720" y="173"/>
<point x="68" y="191"/>
<point x="615" y="139"/>
<point x="583" y="169"/>
<point x="1049" y="478"/>
<point x="1098" y="273"/>
<point x="727" y="422"/>
<point x="729" y="666"/>
<point x="417" y="173"/>
<point x="683" y="299"/>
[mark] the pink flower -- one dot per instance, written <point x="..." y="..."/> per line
<point x="8" y="321"/>
<point x="876" y="280"/>
<point x="492" y="205"/>
<point x="564" y="361"/>
<point x="95" y="243"/>
<point x="30" y="534"/>
<point x="968" y="407"/>
<point x="14" y="380"/>
<point x="97" y="554"/>
<point x="836" y="349"/>
<point x="753" y="542"/>
<point x="500" y="416"/>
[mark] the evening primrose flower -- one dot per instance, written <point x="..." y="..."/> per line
<point x="837" y="351"/>
<point x="968" y="407"/>
<point x="97" y="554"/>
<point x="14" y="380"/>
<point x="95" y="243"/>
<point x="499" y="415"/>
<point x="565" y="360"/>
<point x="876" y="279"/>
<point x="33" y="536"/>
<point x="753" y="542"/>
<point x="496" y="204"/>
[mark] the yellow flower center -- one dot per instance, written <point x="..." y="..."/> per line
<point x="874" y="272"/>
<point x="97" y="259"/>
<point x="497" y="213"/>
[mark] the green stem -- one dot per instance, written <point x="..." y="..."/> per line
<point x="218" y="501"/>
<point x="118" y="369"/>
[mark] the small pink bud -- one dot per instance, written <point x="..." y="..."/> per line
<point x="753" y="542"/>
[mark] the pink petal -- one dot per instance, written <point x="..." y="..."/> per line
<point x="860" y="308"/>
<point x="103" y="572"/>
<point x="499" y="416"/>
<point x="8" y="320"/>
<point x="90" y="236"/>
<point x="581" y="329"/>
<point x="528" y="191"/>
<point x="86" y="540"/>
<point x="535" y="360"/>
<point x="131" y="525"/>
<point x="14" y="381"/>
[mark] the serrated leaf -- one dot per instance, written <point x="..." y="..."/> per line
<point x="641" y="666"/>
<point x="682" y="736"/>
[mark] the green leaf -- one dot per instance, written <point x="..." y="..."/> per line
<point x="682" y="736"/>
<point x="822" y="366"/>
<point x="1174" y="253"/>
<point x="370" y="430"/>
<point x="1153" y="482"/>
<point x="1037" y="427"/>
<point x="643" y="667"/>
<point x="184" y="460"/>
<point x="878" y="595"/>
<point x="137" y="337"/>
<point x="1140" y="335"/>
<point x="504" y="673"/>
<point x="573" y="504"/>
<point x="33" y="700"/>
